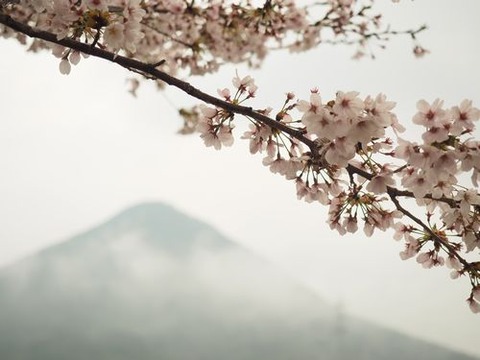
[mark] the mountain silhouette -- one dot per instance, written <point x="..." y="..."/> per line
<point x="153" y="283"/>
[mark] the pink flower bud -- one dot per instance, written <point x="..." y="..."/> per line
<point x="476" y="292"/>
<point x="473" y="305"/>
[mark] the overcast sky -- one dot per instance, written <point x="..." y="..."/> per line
<point x="75" y="150"/>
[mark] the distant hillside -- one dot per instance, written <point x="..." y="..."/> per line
<point x="153" y="283"/>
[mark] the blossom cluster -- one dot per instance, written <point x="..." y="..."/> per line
<point x="348" y="154"/>
<point x="113" y="25"/>
<point x="198" y="36"/>
<point x="216" y="125"/>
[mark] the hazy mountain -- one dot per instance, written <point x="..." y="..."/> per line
<point x="155" y="284"/>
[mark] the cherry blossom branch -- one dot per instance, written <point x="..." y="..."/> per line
<point x="200" y="36"/>
<point x="149" y="69"/>
<point x="341" y="135"/>
<point x="394" y="193"/>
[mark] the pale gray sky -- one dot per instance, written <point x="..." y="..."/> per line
<point x="76" y="149"/>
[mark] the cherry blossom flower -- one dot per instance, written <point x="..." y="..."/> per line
<point x="244" y="83"/>
<point x="302" y="189"/>
<point x="259" y="135"/>
<point x="363" y="130"/>
<point x="319" y="192"/>
<point x="378" y="184"/>
<point x="411" y="249"/>
<point x="350" y="224"/>
<point x="402" y="230"/>
<point x="426" y="259"/>
<point x="313" y="106"/>
<point x="222" y="135"/>
<point x="65" y="66"/>
<point x="405" y="149"/>
<point x="436" y="134"/>
<point x="335" y="225"/>
<point x="464" y="117"/>
<point x="453" y="263"/>
<point x="74" y="57"/>
<point x="424" y="156"/>
<point x="368" y="228"/>
<point x="445" y="162"/>
<point x="444" y="186"/>
<point x="97" y="4"/>
<point x="348" y="105"/>
<point x="455" y="275"/>
<point x="467" y="198"/>
<point x="132" y="35"/>
<point x="379" y="110"/>
<point x="133" y="11"/>
<point x="476" y="292"/>
<point x="468" y="155"/>
<point x="419" y="183"/>
<point x="420" y="51"/>
<point x="114" y="36"/>
<point x="224" y="93"/>
<point x="430" y="115"/>
<point x="471" y="240"/>
<point x="340" y="151"/>
<point x="474" y="305"/>
<point x="283" y="167"/>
